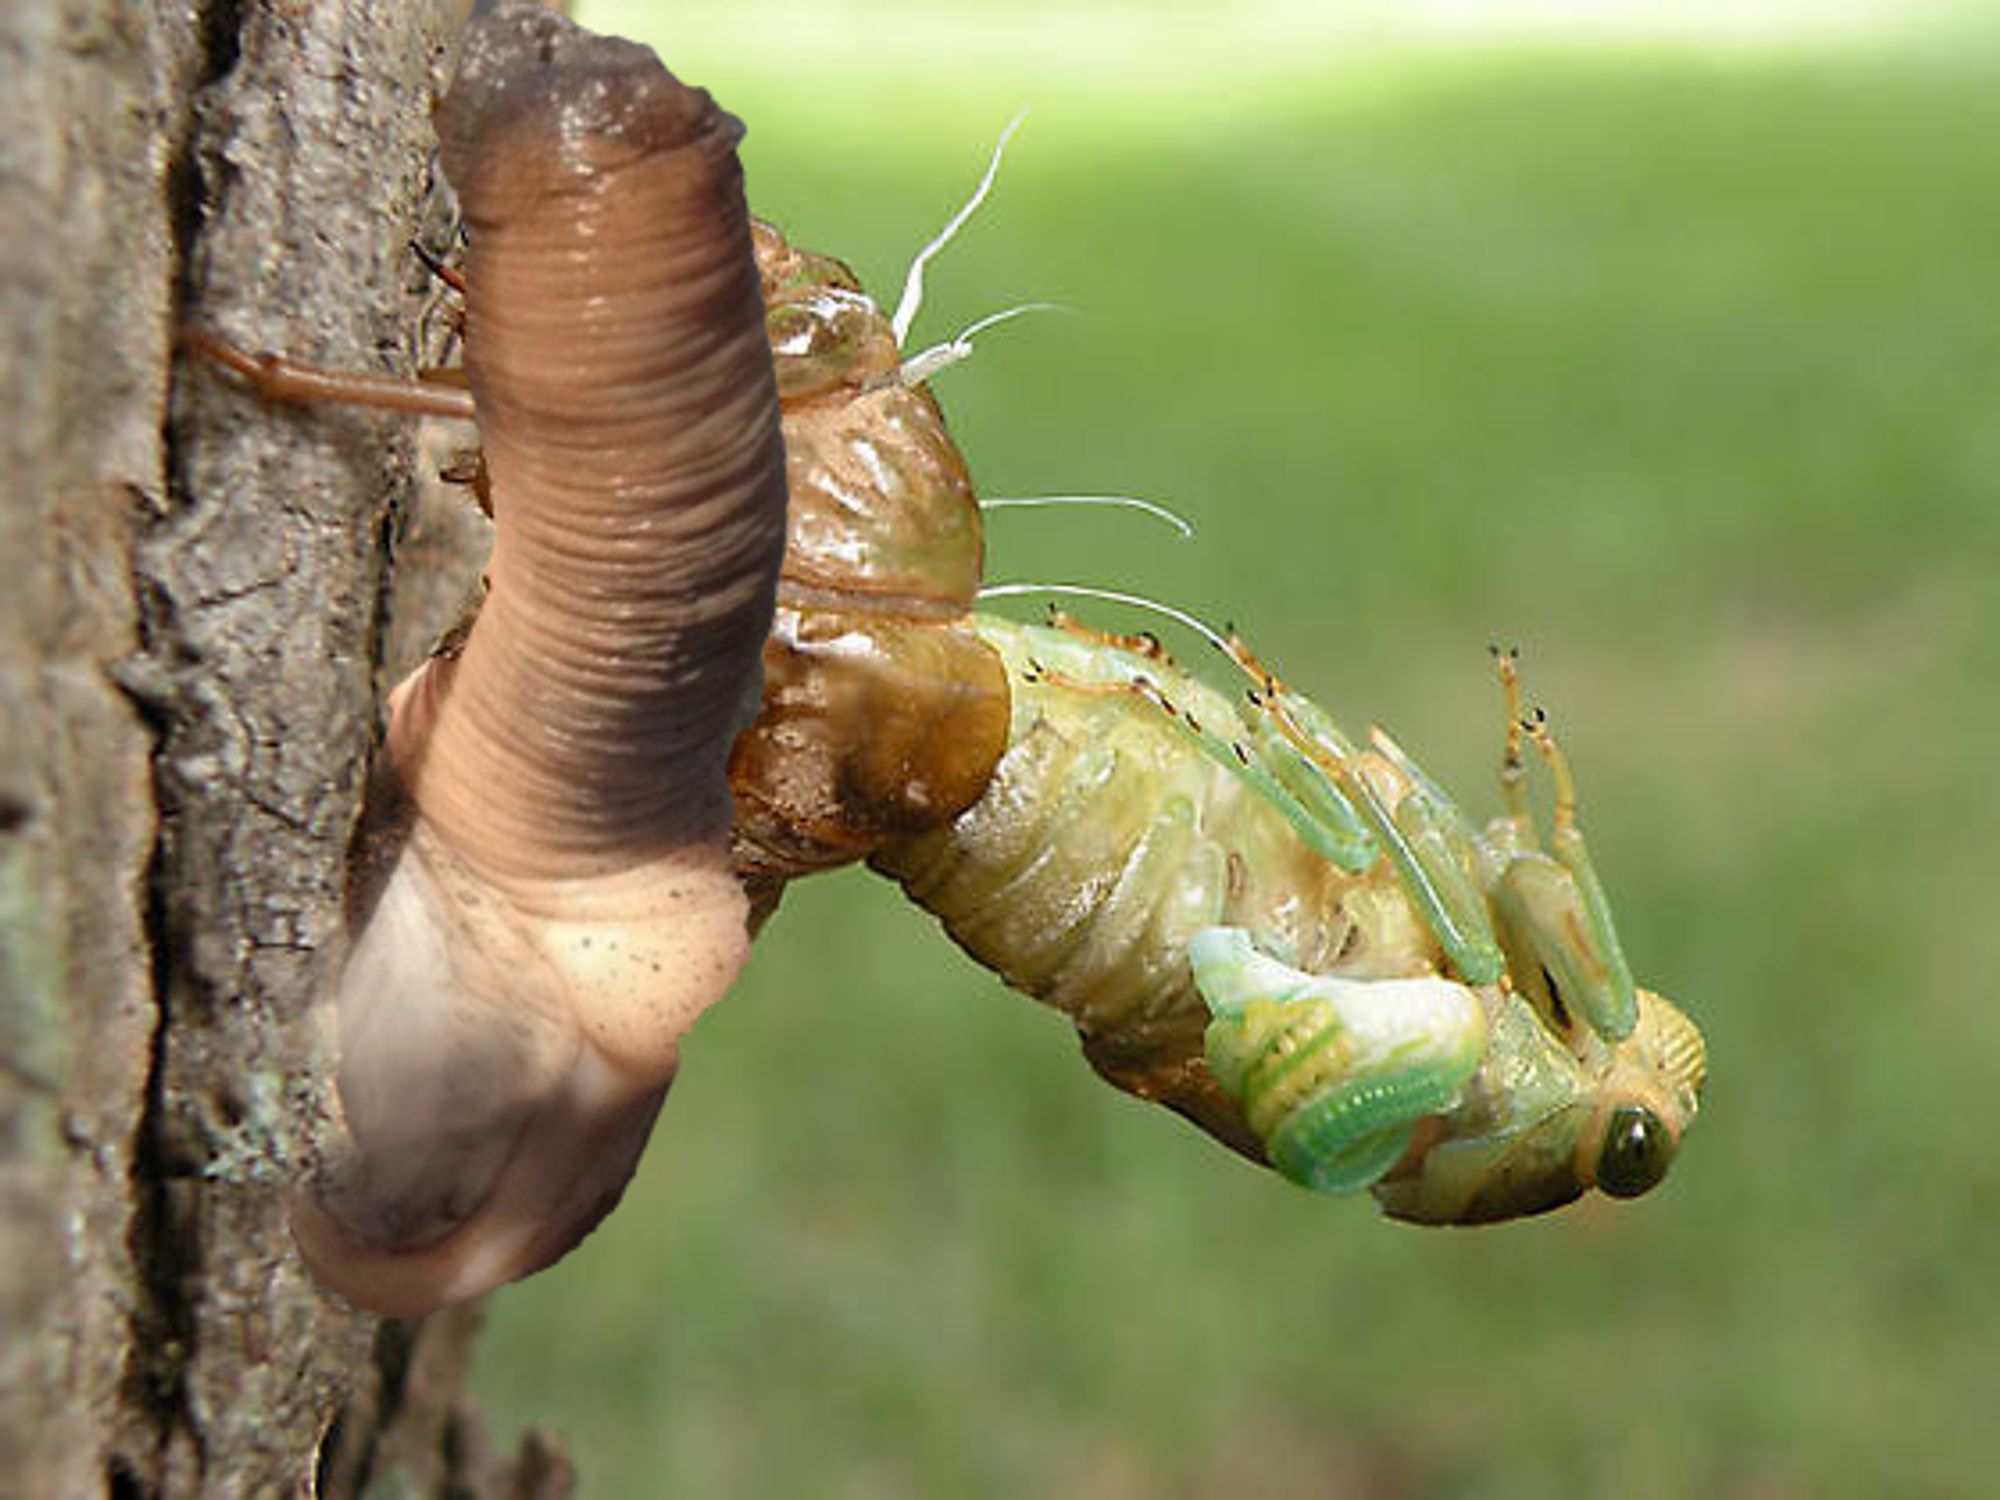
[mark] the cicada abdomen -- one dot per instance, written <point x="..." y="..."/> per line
<point x="884" y="711"/>
<point x="1298" y="943"/>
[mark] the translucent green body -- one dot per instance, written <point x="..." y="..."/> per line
<point x="1299" y="943"/>
<point x="1294" y="939"/>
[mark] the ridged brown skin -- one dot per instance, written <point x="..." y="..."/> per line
<point x="615" y="350"/>
<point x="884" y="712"/>
<point x="547" y="897"/>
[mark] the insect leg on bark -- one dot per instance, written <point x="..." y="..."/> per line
<point x="275" y="377"/>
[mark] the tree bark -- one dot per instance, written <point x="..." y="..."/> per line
<point x="194" y="642"/>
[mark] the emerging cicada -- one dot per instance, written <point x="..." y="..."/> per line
<point x="1302" y="945"/>
<point x="1296" y="941"/>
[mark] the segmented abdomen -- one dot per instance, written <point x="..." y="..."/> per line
<point x="1118" y="825"/>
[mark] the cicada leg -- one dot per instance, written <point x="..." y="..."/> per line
<point x="433" y="393"/>
<point x="1138" y="642"/>
<point x="450" y="275"/>
<point x="1552" y="904"/>
<point x="1417" y="832"/>
<point x="1610" y="1001"/>
<point x="1332" y="1074"/>
<point x="1515" y="830"/>
<point x="277" y="378"/>
<point x="1315" y="808"/>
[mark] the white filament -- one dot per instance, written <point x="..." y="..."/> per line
<point x="1112" y="502"/>
<point x="913" y="284"/>
<point x="921" y="366"/>
<point x="1112" y="596"/>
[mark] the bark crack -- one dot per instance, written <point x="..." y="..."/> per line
<point x="165" y="1249"/>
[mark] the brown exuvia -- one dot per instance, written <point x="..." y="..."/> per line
<point x="545" y="900"/>
<point x="884" y="712"/>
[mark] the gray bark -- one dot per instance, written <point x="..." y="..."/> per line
<point x="193" y="648"/>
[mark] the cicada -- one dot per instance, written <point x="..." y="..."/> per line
<point x="1294" y="939"/>
<point x="1300" y="943"/>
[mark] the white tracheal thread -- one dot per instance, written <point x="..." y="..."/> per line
<point x="1153" y="508"/>
<point x="926" y="363"/>
<point x="1208" y="633"/>
<point x="913" y="283"/>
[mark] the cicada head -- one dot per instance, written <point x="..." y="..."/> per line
<point x="1538" y="1126"/>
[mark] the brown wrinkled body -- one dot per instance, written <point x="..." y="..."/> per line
<point x="884" y="712"/>
<point x="549" y="901"/>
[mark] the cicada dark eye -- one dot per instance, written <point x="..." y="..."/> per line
<point x="1637" y="1152"/>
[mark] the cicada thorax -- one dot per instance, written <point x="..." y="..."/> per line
<point x="1124" y="819"/>
<point x="884" y="712"/>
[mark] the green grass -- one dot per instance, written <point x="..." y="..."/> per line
<point x="1683" y="374"/>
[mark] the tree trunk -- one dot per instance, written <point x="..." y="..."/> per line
<point x="193" y="646"/>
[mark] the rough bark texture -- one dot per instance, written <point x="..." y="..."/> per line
<point x="192" y="652"/>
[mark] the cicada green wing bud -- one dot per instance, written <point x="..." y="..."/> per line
<point x="1435" y="834"/>
<point x="1332" y="1074"/>
<point x="1325" y="819"/>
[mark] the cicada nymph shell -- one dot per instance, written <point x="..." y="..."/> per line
<point x="544" y="898"/>
<point x="884" y="712"/>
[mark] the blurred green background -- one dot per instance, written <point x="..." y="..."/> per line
<point x="1675" y="359"/>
